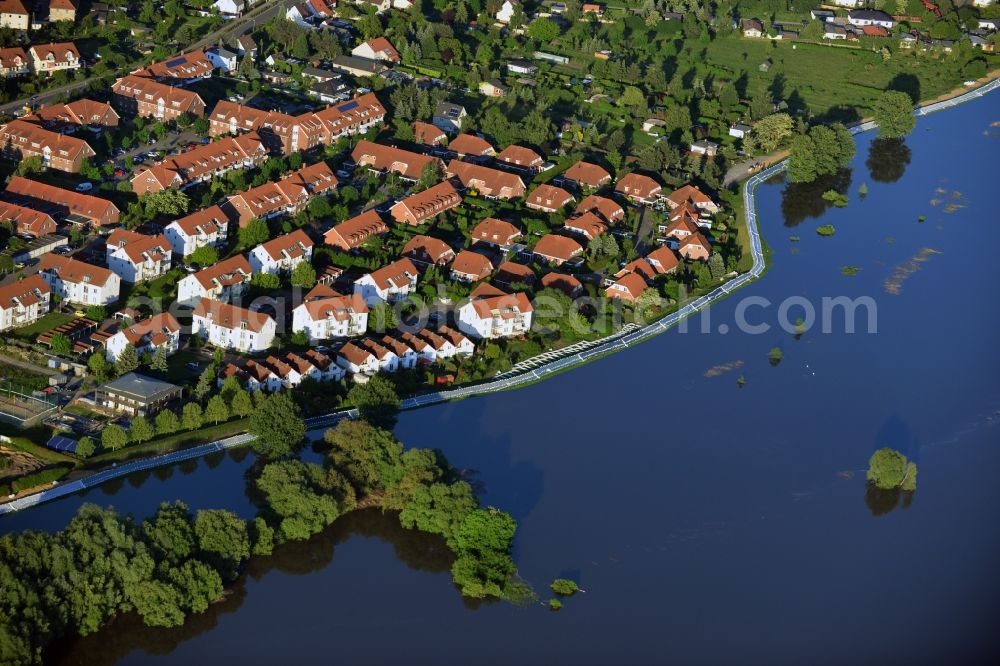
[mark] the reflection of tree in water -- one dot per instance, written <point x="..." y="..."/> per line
<point x="800" y="201"/>
<point x="419" y="551"/>
<point x="881" y="502"/>
<point x="888" y="159"/>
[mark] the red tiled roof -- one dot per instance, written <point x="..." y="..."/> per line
<point x="147" y="90"/>
<point x="472" y="264"/>
<point x="559" y="248"/>
<point x="489" y="302"/>
<point x="588" y="224"/>
<point x="23" y="292"/>
<point x="73" y="271"/>
<point x="182" y="66"/>
<point x="204" y="221"/>
<point x="356" y="230"/>
<point x="588" y="174"/>
<point x="470" y="144"/>
<point x="395" y="274"/>
<point x="226" y="273"/>
<point x="563" y="282"/>
<point x="637" y="186"/>
<point x="387" y="158"/>
<point x="633" y="285"/>
<point x="26" y="220"/>
<point x="425" y="205"/>
<point x="382" y="46"/>
<point x="490" y="182"/>
<point x="230" y="316"/>
<point x="427" y="134"/>
<point x="340" y="308"/>
<point x="37" y="138"/>
<point x="688" y="193"/>
<point x="509" y="272"/>
<point x="61" y="52"/>
<point x="153" y="329"/>
<point x="9" y="57"/>
<point x="607" y="208"/>
<point x="292" y="245"/>
<point x="520" y="156"/>
<point x="492" y="230"/>
<point x="428" y="248"/>
<point x="548" y="197"/>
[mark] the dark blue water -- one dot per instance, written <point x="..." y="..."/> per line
<point x="706" y="522"/>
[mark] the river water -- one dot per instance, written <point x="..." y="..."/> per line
<point x="706" y="521"/>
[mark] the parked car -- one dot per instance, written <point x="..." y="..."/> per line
<point x="84" y="187"/>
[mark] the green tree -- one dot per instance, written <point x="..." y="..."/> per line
<point x="303" y="275"/>
<point x="382" y="318"/>
<point x="61" y="344"/>
<point x="216" y="411"/>
<point x="159" y="362"/>
<point x="543" y="29"/>
<point x="894" y="114"/>
<point x="768" y="134"/>
<point x="254" y="233"/>
<point x="889" y="469"/>
<point x="127" y="361"/>
<point x="265" y="281"/>
<point x="113" y="437"/>
<point x="206" y="255"/>
<point x="368" y="456"/>
<point x="167" y="422"/>
<point x="140" y="431"/>
<point x="206" y="382"/>
<point x="85" y="448"/>
<point x="223" y="537"/>
<point x="278" y="426"/>
<point x="242" y="404"/>
<point x="191" y="416"/>
<point x="376" y="400"/>
<point x="823" y="151"/>
<point x="99" y="366"/>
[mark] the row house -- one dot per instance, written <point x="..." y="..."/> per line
<point x="638" y="188"/>
<point x="548" y="199"/>
<point x="491" y="183"/>
<point x="407" y="164"/>
<point x="79" y="282"/>
<point x="357" y="360"/>
<point x="492" y="313"/>
<point x="556" y="249"/>
<point x="408" y="357"/>
<point x="389" y="283"/>
<point x="388" y="360"/>
<point x="142" y="96"/>
<point x="325" y="315"/>
<point x="14" y="62"/>
<point x="498" y="233"/>
<point x="182" y="68"/>
<point x="633" y="279"/>
<point x="288" y="196"/>
<point x="24" y="302"/>
<point x="608" y="209"/>
<point x="521" y="159"/>
<point x="206" y="227"/>
<point x="26" y="221"/>
<point x="21" y="140"/>
<point x="586" y="174"/>
<point x="136" y="257"/>
<point x="428" y="251"/>
<point x="56" y="57"/>
<point x="471" y="267"/>
<point x="69" y="117"/>
<point x="161" y="331"/>
<point x="472" y="147"/>
<point x="282" y="254"/>
<point x="62" y="204"/>
<point x="352" y="233"/>
<point x="228" y="326"/>
<point x="422" y="206"/>
<point x="201" y="164"/>
<point x="226" y="281"/>
<point x="287" y="371"/>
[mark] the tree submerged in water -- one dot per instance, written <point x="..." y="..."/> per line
<point x="889" y="469"/>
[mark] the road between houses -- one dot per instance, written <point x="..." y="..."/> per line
<point x="265" y="12"/>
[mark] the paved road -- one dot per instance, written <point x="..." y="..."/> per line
<point x="233" y="29"/>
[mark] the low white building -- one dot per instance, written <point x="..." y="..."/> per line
<point x="388" y="360"/>
<point x="226" y="281"/>
<point x="147" y="336"/>
<point x="506" y="11"/>
<point x="79" y="282"/>
<point x="357" y="360"/>
<point x="389" y="283"/>
<point x="24" y="302"/>
<point x="863" y="17"/>
<point x="282" y="254"/>
<point x="209" y="226"/>
<point x="136" y="257"/>
<point x="230" y="8"/>
<point x="222" y="58"/>
<point x="491" y="313"/>
<point x="231" y="327"/>
<point x="326" y="315"/>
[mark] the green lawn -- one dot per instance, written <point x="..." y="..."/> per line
<point x="46" y="323"/>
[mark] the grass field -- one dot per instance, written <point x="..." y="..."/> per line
<point x="46" y="323"/>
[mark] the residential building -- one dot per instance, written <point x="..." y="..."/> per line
<point x="230" y="8"/>
<point x="142" y="96"/>
<point x="389" y="283"/>
<point x="201" y="164"/>
<point x="471" y="267"/>
<point x="499" y="233"/>
<point x="408" y="357"/>
<point x="628" y="287"/>
<point x="557" y="249"/>
<point x="161" y="331"/>
<point x="493" y="88"/>
<point x="567" y="284"/>
<point x="587" y="175"/>
<point x="136" y="395"/>
<point x="136" y="257"/>
<point x="282" y="254"/>
<point x="65" y="205"/>
<point x="24" y="302"/>
<point x="26" y="221"/>
<point x="359" y="67"/>
<point x="383" y="159"/>
<point x="752" y="28"/>
<point x="208" y="226"/>
<point x="639" y="188"/>
<point x="690" y="193"/>
<point x="288" y="196"/>
<point x="491" y="183"/>
<point x="519" y="66"/>
<point x="506" y="11"/>
<point x="388" y="360"/>
<point x="182" y="68"/>
<point x="22" y="140"/>
<point x="492" y="313"/>
<point x="352" y="233"/>
<point x="78" y="282"/>
<point x="426" y="133"/>
<point x="14" y="15"/>
<point x="521" y="158"/>
<point x="55" y="57"/>
<point x="377" y="49"/>
<point x="226" y="281"/>
<point x="588" y="225"/>
<point x="705" y="147"/>
<point x="695" y="247"/>
<point x="246" y="46"/>
<point x="230" y="327"/>
<point x="511" y="273"/>
<point x="422" y="206"/>
<point x="324" y="315"/>
<point x="222" y="58"/>
<point x="548" y="198"/>
<point x="76" y="114"/>
<point x="357" y="360"/>
<point x="739" y="130"/>
<point x="608" y="209"/>
<point x="863" y="17"/>
<point x="14" y="62"/>
<point x="448" y="117"/>
<point x="428" y="251"/>
<point x="471" y="146"/>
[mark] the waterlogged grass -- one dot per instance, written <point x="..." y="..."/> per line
<point x="850" y="271"/>
<point x="826" y="230"/>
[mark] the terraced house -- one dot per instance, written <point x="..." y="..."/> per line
<point x="352" y="233"/>
<point x="491" y="183"/>
<point x="182" y="68"/>
<point x="23" y="302"/>
<point x="22" y="140"/>
<point x="61" y="204"/>
<point x="422" y="206"/>
<point x="407" y="164"/>
<point x="389" y="283"/>
<point x="76" y="114"/>
<point x="27" y="222"/>
<point x="14" y="62"/>
<point x="201" y="164"/>
<point x="142" y="96"/>
<point x="288" y="196"/>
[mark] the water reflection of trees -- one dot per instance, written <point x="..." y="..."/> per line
<point x="888" y="159"/>
<point x="419" y="551"/>
<point x="800" y="201"/>
<point x="881" y="502"/>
